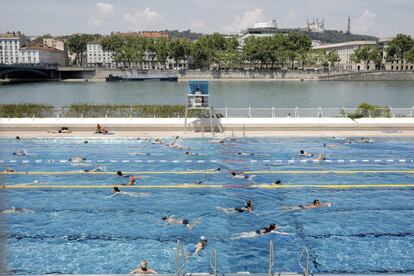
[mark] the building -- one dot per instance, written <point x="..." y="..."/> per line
<point x="41" y="54"/>
<point x="270" y="24"/>
<point x="316" y="26"/>
<point x="345" y="50"/>
<point x="394" y="65"/>
<point x="59" y="45"/>
<point x="10" y="44"/>
<point x="155" y="35"/>
<point x="97" y="57"/>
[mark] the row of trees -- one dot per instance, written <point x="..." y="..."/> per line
<point x="216" y="51"/>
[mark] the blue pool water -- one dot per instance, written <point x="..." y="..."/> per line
<point x="75" y="230"/>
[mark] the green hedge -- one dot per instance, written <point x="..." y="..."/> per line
<point x="369" y="110"/>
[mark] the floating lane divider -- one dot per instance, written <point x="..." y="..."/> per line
<point x="278" y="161"/>
<point x="217" y="172"/>
<point x="221" y="186"/>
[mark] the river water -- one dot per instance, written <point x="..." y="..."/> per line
<point x="223" y="93"/>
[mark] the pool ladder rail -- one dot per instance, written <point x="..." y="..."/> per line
<point x="181" y="261"/>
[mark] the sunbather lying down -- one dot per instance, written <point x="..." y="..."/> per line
<point x="61" y="130"/>
<point x="101" y="130"/>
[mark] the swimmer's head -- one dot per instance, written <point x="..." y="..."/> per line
<point x="272" y="226"/>
<point x="203" y="239"/>
<point x="218" y="169"/>
<point x="85" y="142"/>
<point x="116" y="190"/>
<point x="277" y="182"/>
<point x="233" y="173"/>
<point x="249" y="203"/>
<point x="14" y="153"/>
<point x="132" y="178"/>
<point x="324" y="145"/>
<point x="18" y="137"/>
<point x="316" y="202"/>
<point x="302" y="151"/>
<point x="164" y="218"/>
<point x="144" y="265"/>
<point x="119" y="173"/>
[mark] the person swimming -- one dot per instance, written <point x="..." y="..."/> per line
<point x="117" y="191"/>
<point x="98" y="169"/>
<point x="248" y="208"/>
<point x="10" y="170"/>
<point x="315" y="204"/>
<point x="77" y="159"/>
<point x="186" y="222"/>
<point x="20" y="152"/>
<point x="132" y="180"/>
<point x="143" y="269"/>
<point x="120" y="173"/>
<point x="197" y="247"/>
<point x="14" y="210"/>
<point x="321" y="157"/>
<point x="277" y="182"/>
<point x="305" y="154"/>
<point x="241" y="175"/>
<point x="272" y="228"/>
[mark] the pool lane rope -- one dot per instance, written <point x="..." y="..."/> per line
<point x="212" y="171"/>
<point x="211" y="186"/>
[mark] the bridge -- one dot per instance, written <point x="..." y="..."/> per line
<point x="32" y="72"/>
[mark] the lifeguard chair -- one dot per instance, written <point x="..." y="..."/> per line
<point x="198" y="98"/>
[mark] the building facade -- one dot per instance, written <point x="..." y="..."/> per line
<point x="97" y="57"/>
<point x="41" y="54"/>
<point x="59" y="45"/>
<point x="394" y="65"/>
<point x="10" y="44"/>
<point x="316" y="26"/>
<point x="345" y="51"/>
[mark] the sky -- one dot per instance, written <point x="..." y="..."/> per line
<point x="382" y="18"/>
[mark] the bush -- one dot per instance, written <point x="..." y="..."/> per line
<point x="369" y="110"/>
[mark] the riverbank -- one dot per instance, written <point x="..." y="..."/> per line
<point x="263" y="75"/>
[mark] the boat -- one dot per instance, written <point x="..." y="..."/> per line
<point x="142" y="78"/>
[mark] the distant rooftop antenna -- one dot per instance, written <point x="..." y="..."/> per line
<point x="348" y="31"/>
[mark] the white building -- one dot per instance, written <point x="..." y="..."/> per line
<point x="97" y="57"/>
<point x="10" y="44"/>
<point x="316" y="26"/>
<point x="269" y="24"/>
<point x="395" y="65"/>
<point x="345" y="50"/>
<point x="41" y="54"/>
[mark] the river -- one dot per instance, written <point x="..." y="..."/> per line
<point x="223" y="93"/>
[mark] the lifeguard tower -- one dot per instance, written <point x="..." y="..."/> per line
<point x="198" y="98"/>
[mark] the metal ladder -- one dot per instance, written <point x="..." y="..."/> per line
<point x="213" y="262"/>
<point x="305" y="270"/>
<point x="271" y="258"/>
<point x="180" y="259"/>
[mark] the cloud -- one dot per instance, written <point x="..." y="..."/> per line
<point x="142" y="18"/>
<point x="364" y="23"/>
<point x="248" y="20"/>
<point x="198" y="25"/>
<point x="102" y="11"/>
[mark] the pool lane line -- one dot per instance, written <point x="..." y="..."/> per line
<point x="216" y="172"/>
<point x="225" y="186"/>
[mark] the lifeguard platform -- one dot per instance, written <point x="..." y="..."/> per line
<point x="198" y="98"/>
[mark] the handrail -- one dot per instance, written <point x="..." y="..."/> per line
<point x="179" y="253"/>
<point x="213" y="261"/>
<point x="305" y="270"/>
<point x="271" y="258"/>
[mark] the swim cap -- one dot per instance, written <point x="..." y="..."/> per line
<point x="203" y="238"/>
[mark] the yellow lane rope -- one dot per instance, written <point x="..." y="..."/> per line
<point x="210" y="186"/>
<point x="216" y="172"/>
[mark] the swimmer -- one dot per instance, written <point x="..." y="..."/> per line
<point x="241" y="175"/>
<point x="197" y="247"/>
<point x="329" y="145"/>
<point x="277" y="182"/>
<point x="248" y="208"/>
<point x="272" y="228"/>
<point x="158" y="141"/>
<point x="143" y="269"/>
<point x="365" y="140"/>
<point x="98" y="169"/>
<point x="173" y="220"/>
<point x="176" y="146"/>
<point x="120" y="173"/>
<point x="117" y="191"/>
<point x="245" y="153"/>
<point x="305" y="154"/>
<point x="140" y="154"/>
<point x="14" y="210"/>
<point x="20" y="152"/>
<point x="321" y="157"/>
<point x="132" y="180"/>
<point x="171" y="145"/>
<point x="17" y="137"/>
<point x="315" y="204"/>
<point x="10" y="170"/>
<point x="198" y="182"/>
<point x="77" y="159"/>
<point x="85" y="142"/>
<point x="190" y="153"/>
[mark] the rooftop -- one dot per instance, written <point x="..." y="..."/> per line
<point x="345" y="44"/>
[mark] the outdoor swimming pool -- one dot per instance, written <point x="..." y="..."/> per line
<point x="73" y="225"/>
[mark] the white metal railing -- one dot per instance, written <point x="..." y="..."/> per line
<point x="213" y="262"/>
<point x="305" y="269"/>
<point x="222" y="112"/>
<point x="271" y="258"/>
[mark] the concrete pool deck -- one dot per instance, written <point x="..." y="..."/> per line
<point x="249" y="127"/>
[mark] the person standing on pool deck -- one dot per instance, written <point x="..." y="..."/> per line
<point x="197" y="247"/>
<point x="143" y="269"/>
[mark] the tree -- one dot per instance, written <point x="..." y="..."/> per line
<point x="375" y="56"/>
<point x="361" y="54"/>
<point x="332" y="58"/>
<point x="298" y="45"/>
<point x="162" y="49"/>
<point x="409" y="55"/>
<point x="179" y="50"/>
<point x="77" y="45"/>
<point x="399" y="46"/>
